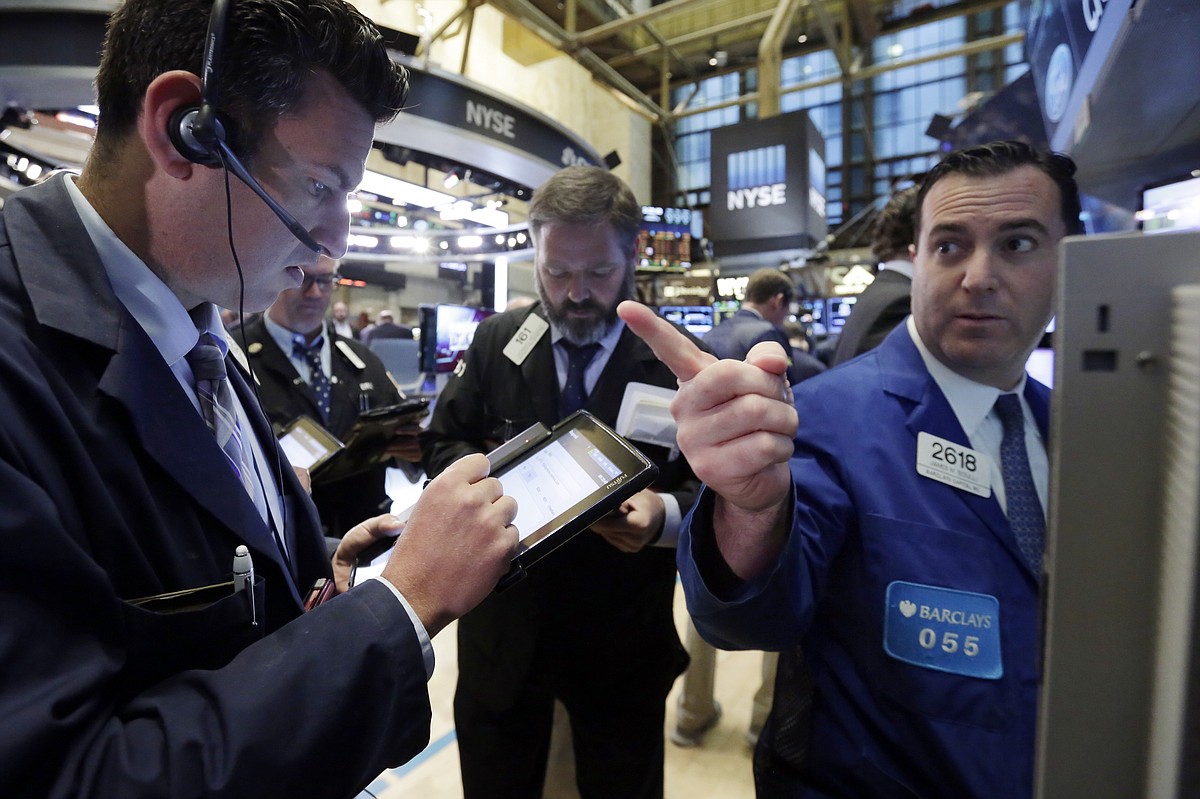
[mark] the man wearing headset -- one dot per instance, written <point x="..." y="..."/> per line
<point x="154" y="641"/>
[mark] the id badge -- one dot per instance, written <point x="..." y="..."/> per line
<point x="943" y="629"/>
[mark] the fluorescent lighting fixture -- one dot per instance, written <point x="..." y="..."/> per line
<point x="500" y="283"/>
<point x="402" y="242"/>
<point x="353" y="205"/>
<point x="470" y="242"/>
<point x="459" y="209"/>
<point x="402" y="191"/>
<point x="489" y="216"/>
<point x="359" y="240"/>
<point x="420" y="246"/>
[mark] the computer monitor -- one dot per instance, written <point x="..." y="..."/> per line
<point x="1172" y="204"/>
<point x="1119" y="708"/>
<point x="446" y="332"/>
<point x="697" y="319"/>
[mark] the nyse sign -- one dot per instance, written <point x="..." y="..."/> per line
<point x="499" y="122"/>
<point x="757" y="178"/>
<point x="756" y="196"/>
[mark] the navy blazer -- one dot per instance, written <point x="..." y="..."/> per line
<point x="863" y="519"/>
<point x="115" y="490"/>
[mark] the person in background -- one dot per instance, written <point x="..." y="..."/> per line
<point x="887" y="301"/>
<point x="340" y="320"/>
<point x="891" y="519"/>
<point x="386" y="327"/>
<point x="304" y="369"/>
<point x="592" y="625"/>
<point x="765" y="306"/>
<point x="157" y="644"/>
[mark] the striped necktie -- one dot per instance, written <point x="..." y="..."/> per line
<point x="220" y="413"/>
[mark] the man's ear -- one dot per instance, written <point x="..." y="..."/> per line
<point x="912" y="252"/>
<point x="165" y="95"/>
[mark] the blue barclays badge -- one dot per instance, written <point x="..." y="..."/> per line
<point x="943" y="629"/>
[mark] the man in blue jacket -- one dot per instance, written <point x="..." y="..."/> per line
<point x="891" y="521"/>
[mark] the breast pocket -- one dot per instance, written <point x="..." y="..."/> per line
<point x="165" y="638"/>
<point x="940" y="632"/>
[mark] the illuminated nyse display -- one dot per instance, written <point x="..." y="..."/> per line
<point x="757" y="178"/>
<point x="665" y="240"/>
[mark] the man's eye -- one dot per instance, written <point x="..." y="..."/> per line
<point x="1020" y="244"/>
<point x="318" y="187"/>
<point x="947" y="248"/>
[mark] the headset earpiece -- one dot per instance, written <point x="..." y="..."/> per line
<point x="195" y="134"/>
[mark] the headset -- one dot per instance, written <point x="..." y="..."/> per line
<point x="199" y="134"/>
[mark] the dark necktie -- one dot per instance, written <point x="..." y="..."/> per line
<point x="574" y="393"/>
<point x="1024" y="509"/>
<point x="220" y="413"/>
<point x="317" y="379"/>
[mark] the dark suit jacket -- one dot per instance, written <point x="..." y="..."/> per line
<point x="344" y="503"/>
<point x="737" y="335"/>
<point x="879" y="308"/>
<point x="586" y="608"/>
<point x="114" y="489"/>
<point x="388" y="330"/>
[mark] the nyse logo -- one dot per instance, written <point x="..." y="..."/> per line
<point x="481" y="116"/>
<point x="757" y="178"/>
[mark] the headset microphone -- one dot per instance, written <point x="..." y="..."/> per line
<point x="199" y="134"/>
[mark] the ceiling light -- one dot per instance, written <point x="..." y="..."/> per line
<point x="802" y="38"/>
<point x="401" y="191"/>
<point x="470" y="242"/>
<point x="452" y="179"/>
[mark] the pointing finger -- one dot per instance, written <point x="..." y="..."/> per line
<point x="670" y="346"/>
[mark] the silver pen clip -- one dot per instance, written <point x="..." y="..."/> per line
<point x="243" y="577"/>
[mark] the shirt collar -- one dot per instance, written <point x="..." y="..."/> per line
<point x="147" y="298"/>
<point x="287" y="338"/>
<point x="898" y="265"/>
<point x="970" y="401"/>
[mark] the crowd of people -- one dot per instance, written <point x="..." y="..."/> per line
<point x="803" y="507"/>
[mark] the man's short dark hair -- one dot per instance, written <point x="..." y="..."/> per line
<point x="1002" y="157"/>
<point x="587" y="194"/>
<point x="895" y="227"/>
<point x="766" y="283"/>
<point x="270" y="49"/>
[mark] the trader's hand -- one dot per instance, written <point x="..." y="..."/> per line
<point x="405" y="445"/>
<point x="457" y="544"/>
<point x="633" y="525"/>
<point x="735" y="419"/>
<point x="735" y="424"/>
<point x="356" y="540"/>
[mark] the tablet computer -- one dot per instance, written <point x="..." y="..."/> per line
<point x="367" y="440"/>
<point x="564" y="480"/>
<point x="306" y="444"/>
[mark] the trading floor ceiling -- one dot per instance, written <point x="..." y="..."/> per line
<point x="678" y="41"/>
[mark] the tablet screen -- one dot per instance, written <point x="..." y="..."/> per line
<point x="551" y="482"/>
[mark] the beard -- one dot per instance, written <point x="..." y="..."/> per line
<point x="578" y="331"/>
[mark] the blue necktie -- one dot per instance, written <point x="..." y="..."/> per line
<point x="220" y="413"/>
<point x="1024" y="510"/>
<point x="317" y="379"/>
<point x="574" y="393"/>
